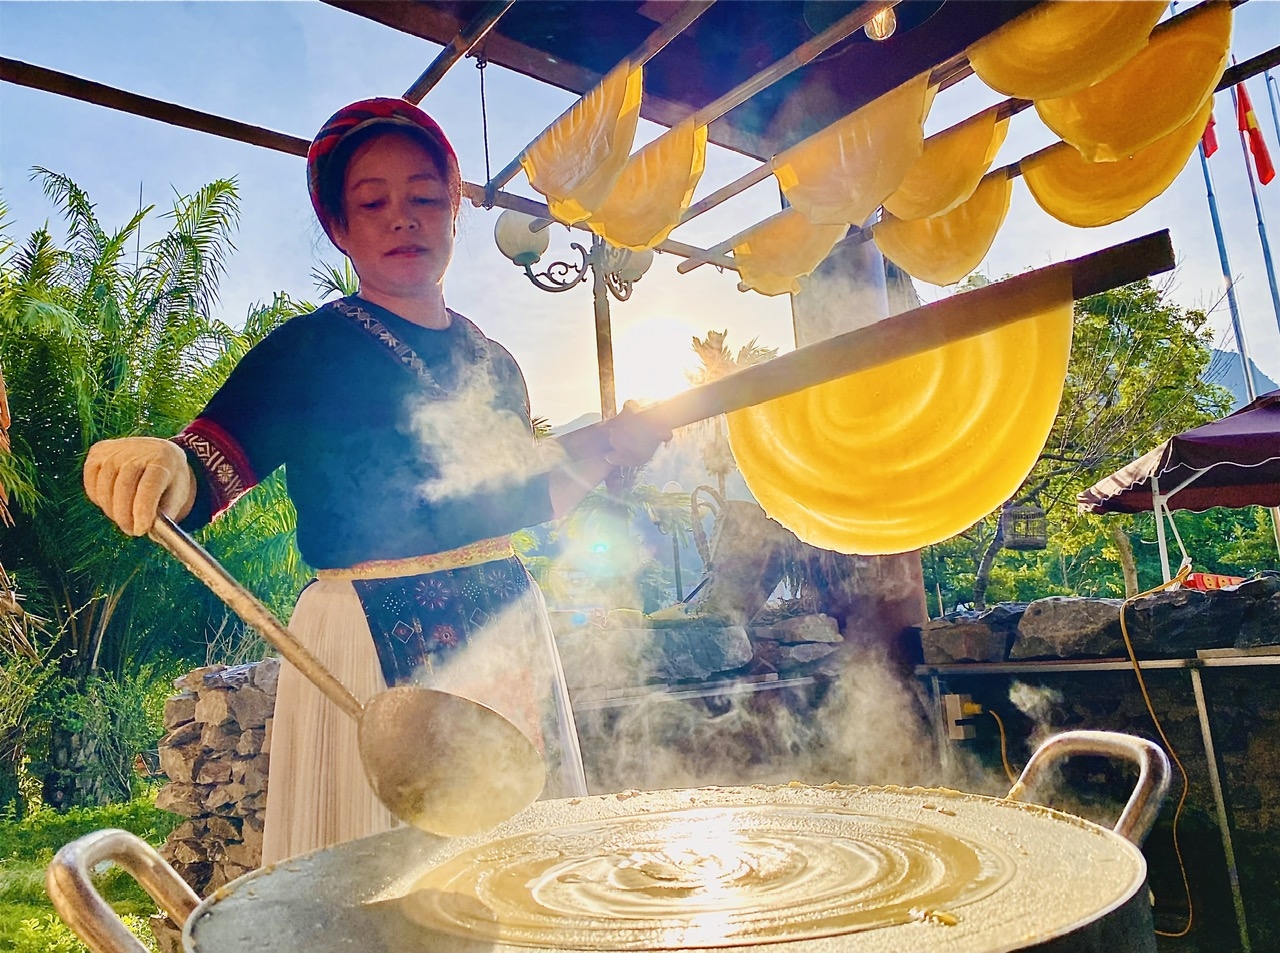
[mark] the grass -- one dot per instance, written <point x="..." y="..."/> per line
<point x="27" y="920"/>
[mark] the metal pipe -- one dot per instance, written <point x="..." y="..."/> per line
<point x="1215" y="782"/>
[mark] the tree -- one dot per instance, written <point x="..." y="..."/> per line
<point x="95" y="345"/>
<point x="716" y="361"/>
<point x="1134" y="378"/>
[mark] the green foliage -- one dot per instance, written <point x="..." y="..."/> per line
<point x="1134" y="379"/>
<point x="44" y="832"/>
<point x="48" y="934"/>
<point x="100" y="339"/>
<point x="27" y="922"/>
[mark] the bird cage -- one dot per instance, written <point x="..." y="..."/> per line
<point x="1025" y="527"/>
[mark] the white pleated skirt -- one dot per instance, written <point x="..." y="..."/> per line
<point x="317" y="794"/>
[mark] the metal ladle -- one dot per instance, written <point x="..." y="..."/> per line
<point x="439" y="762"/>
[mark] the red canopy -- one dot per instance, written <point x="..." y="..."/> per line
<point x="1234" y="461"/>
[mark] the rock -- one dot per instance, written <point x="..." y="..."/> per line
<point x="1060" y="627"/>
<point x="168" y="936"/>
<point x="214" y="707"/>
<point x="1179" y="621"/>
<point x="194" y="679"/>
<point x="805" y="628"/>
<point x="251" y="775"/>
<point x="622" y="658"/>
<point x="808" y="652"/>
<point x="234" y="677"/>
<point x="1261" y="622"/>
<point x="214" y="772"/>
<point x="266" y="737"/>
<point x="181" y="763"/>
<point x="243" y="855"/>
<point x="250" y="742"/>
<point x="184" y="799"/>
<point x="251" y="707"/>
<point x="179" y="710"/>
<point x="182" y="735"/>
<point x="223" y="737"/>
<point x="266" y="675"/>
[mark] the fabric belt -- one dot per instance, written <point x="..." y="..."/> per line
<point x="473" y="554"/>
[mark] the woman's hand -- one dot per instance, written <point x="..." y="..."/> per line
<point x="634" y="440"/>
<point x="134" y="479"/>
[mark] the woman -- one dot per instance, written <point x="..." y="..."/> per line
<point x="406" y="438"/>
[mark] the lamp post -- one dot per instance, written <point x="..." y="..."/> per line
<point x="524" y="240"/>
<point x="673" y="486"/>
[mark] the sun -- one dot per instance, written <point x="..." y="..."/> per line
<point x="650" y="357"/>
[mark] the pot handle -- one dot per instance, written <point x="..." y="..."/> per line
<point x="1153" y="773"/>
<point x="82" y="908"/>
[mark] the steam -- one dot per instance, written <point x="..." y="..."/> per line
<point x="865" y="727"/>
<point x="475" y="447"/>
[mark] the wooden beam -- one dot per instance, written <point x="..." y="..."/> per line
<point x="462" y="44"/>
<point x="52" y="81"/>
<point x="922" y="329"/>
<point x="652" y="46"/>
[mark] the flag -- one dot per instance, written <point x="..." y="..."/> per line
<point x="1209" y="141"/>
<point x="1247" y="121"/>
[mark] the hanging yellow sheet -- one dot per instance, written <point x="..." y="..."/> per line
<point x="1062" y="46"/>
<point x="1087" y="194"/>
<point x="653" y="190"/>
<point x="943" y="249"/>
<point x="841" y="174"/>
<point x="576" y="162"/>
<point x="953" y="163"/>
<point x="1153" y="94"/>
<point x="905" y="455"/>
<point x="771" y="256"/>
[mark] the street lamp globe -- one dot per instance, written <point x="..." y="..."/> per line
<point x="633" y="264"/>
<point x="516" y="238"/>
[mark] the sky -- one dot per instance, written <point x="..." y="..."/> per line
<point x="288" y="65"/>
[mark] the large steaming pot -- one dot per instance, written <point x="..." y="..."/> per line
<point x="831" y="869"/>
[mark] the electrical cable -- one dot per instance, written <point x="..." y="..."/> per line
<point x="1180" y="578"/>
<point x="1004" y="748"/>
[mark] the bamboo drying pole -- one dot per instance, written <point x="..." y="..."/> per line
<point x="903" y="335"/>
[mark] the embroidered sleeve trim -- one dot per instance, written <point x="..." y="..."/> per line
<point x="226" y="466"/>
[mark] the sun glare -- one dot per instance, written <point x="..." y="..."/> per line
<point x="651" y="356"/>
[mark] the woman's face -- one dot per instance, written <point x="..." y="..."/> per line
<point x="400" y="222"/>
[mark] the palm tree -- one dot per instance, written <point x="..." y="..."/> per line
<point x="718" y="361"/>
<point x="97" y="343"/>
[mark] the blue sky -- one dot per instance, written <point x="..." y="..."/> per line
<point x="288" y="65"/>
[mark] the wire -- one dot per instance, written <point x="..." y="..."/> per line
<point x="1004" y="748"/>
<point x="481" y="62"/>
<point x="1180" y="578"/>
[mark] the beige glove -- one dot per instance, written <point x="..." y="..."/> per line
<point x="134" y="479"/>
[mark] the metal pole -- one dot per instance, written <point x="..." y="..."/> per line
<point x="675" y="567"/>
<point x="1215" y="782"/>
<point x="604" y="334"/>
<point x="1157" y="508"/>
<point x="1257" y="208"/>
<point x="1272" y="95"/>
<point x="1236" y="327"/>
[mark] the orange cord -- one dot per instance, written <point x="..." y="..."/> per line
<point x="1186" y="783"/>
<point x="1004" y="749"/>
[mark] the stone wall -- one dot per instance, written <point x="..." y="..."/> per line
<point x="215" y="755"/>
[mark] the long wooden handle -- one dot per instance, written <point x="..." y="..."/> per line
<point x="903" y="335"/>
<point x="246" y="605"/>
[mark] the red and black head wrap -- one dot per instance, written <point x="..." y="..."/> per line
<point x="382" y="111"/>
